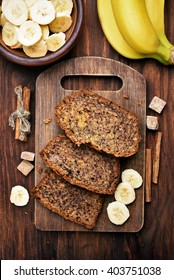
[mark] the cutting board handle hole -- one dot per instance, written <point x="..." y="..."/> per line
<point x="93" y="82"/>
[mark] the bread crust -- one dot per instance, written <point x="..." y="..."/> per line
<point x="82" y="166"/>
<point x="78" y="115"/>
<point x="71" y="202"/>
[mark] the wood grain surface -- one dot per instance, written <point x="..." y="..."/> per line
<point x="19" y="238"/>
<point x="131" y="93"/>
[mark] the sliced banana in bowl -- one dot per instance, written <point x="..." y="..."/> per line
<point x="34" y="21"/>
<point x="29" y="33"/>
<point x="61" y="23"/>
<point x="37" y="50"/>
<point x="55" y="41"/>
<point x="10" y="34"/>
<point x="15" y="11"/>
<point x="63" y="5"/>
<point x="42" y="12"/>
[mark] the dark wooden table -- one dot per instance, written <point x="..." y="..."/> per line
<point x="19" y="239"/>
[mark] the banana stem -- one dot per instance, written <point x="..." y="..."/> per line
<point x="166" y="54"/>
<point x="172" y="56"/>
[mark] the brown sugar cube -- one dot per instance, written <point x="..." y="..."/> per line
<point x="157" y="104"/>
<point x="152" y="122"/>
<point x="25" y="167"/>
<point x="27" y="156"/>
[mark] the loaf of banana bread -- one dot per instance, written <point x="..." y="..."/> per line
<point x="71" y="202"/>
<point x="87" y="117"/>
<point x="82" y="166"/>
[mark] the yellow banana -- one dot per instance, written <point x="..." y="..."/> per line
<point x="111" y="31"/>
<point x="114" y="36"/>
<point x="135" y="25"/>
<point x="155" y="11"/>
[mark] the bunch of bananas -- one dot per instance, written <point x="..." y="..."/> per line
<point x="135" y="28"/>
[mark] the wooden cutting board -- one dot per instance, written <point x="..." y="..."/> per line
<point x="102" y="73"/>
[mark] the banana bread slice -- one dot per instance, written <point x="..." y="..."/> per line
<point x="71" y="202"/>
<point x="82" y="166"/>
<point x="87" y="117"/>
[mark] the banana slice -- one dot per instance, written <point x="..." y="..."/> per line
<point x="61" y="23"/>
<point x="37" y="50"/>
<point x="29" y="33"/>
<point x="16" y="12"/>
<point x="3" y="19"/>
<point x="55" y="41"/>
<point x="10" y="34"/>
<point x="132" y="177"/>
<point x="42" y="12"/>
<point x="30" y="3"/>
<point x="0" y="16"/>
<point x="3" y="4"/>
<point x="19" y="196"/>
<point x="118" y="213"/>
<point x="17" y="46"/>
<point x="45" y="31"/>
<point x="125" y="193"/>
<point x="63" y="5"/>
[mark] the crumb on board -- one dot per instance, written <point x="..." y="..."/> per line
<point x="39" y="170"/>
<point x="157" y="104"/>
<point x="47" y="120"/>
<point x="126" y="96"/>
<point x="139" y="102"/>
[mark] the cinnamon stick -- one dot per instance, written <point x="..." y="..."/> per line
<point x="148" y="189"/>
<point x="17" y="125"/>
<point x="26" y="98"/>
<point x="26" y="93"/>
<point x="156" y="157"/>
